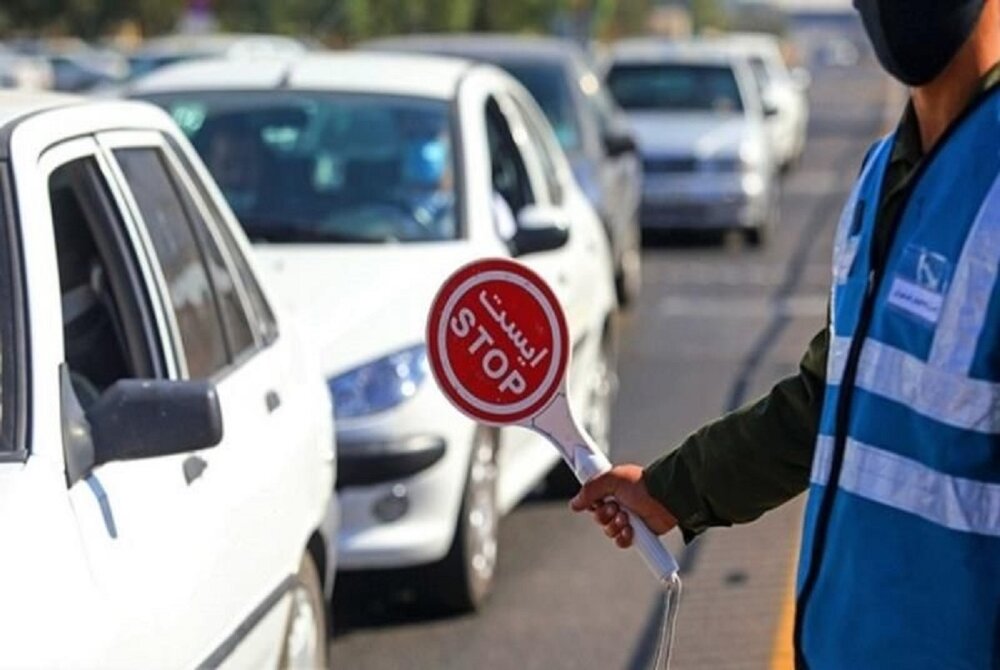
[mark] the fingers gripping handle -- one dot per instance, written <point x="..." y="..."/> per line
<point x="587" y="464"/>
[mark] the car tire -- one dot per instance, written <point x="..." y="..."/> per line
<point x="596" y="420"/>
<point x="305" y="641"/>
<point x="463" y="580"/>
<point x="760" y="234"/>
<point x="628" y="278"/>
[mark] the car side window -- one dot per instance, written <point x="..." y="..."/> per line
<point x="107" y="327"/>
<point x="541" y="139"/>
<point x="509" y="174"/>
<point x="261" y="315"/>
<point x="181" y="260"/>
<point x="235" y="318"/>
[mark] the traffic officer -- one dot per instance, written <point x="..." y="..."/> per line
<point x="893" y="421"/>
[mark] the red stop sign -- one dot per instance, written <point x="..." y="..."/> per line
<point x="497" y="341"/>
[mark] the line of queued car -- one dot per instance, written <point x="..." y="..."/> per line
<point x="238" y="400"/>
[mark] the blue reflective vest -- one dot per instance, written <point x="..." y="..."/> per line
<point x="900" y="559"/>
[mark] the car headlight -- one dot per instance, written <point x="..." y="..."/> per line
<point x="379" y="385"/>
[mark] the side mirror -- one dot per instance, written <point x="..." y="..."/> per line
<point x="539" y="228"/>
<point x="617" y="142"/>
<point x="145" y="418"/>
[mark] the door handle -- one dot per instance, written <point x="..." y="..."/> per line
<point x="272" y="400"/>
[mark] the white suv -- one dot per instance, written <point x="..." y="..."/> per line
<point x="166" y="455"/>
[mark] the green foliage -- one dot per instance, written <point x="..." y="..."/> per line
<point x="707" y="15"/>
<point x="88" y="18"/>
<point x="341" y="20"/>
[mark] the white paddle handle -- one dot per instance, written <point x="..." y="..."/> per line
<point x="589" y="463"/>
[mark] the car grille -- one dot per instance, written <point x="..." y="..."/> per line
<point x="669" y="165"/>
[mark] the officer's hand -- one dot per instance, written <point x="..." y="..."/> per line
<point x="624" y="484"/>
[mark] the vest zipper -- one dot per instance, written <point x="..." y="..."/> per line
<point x="875" y="275"/>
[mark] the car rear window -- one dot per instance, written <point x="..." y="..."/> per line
<point x="675" y="87"/>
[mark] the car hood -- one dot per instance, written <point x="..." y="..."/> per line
<point x="687" y="134"/>
<point x="357" y="303"/>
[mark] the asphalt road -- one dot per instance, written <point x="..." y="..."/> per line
<point x="716" y="325"/>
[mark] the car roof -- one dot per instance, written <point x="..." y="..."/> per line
<point x="362" y="72"/>
<point x="749" y="43"/>
<point x="662" y="50"/>
<point x="494" y="47"/>
<point x="18" y="104"/>
<point x="217" y="43"/>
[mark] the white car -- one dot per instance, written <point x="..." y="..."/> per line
<point x="782" y="89"/>
<point x="701" y="128"/>
<point x="366" y="179"/>
<point x="166" y="454"/>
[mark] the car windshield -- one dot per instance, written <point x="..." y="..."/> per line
<point x="675" y="87"/>
<point x="316" y="167"/>
<point x="548" y="84"/>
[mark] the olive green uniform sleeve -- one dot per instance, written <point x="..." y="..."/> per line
<point x="750" y="461"/>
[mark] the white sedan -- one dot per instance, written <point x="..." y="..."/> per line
<point x="782" y="90"/>
<point x="364" y="180"/>
<point x="166" y="449"/>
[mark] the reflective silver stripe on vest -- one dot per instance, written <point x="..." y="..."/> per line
<point x="948" y="397"/>
<point x="967" y="303"/>
<point x="836" y="360"/>
<point x="822" y="460"/>
<point x="960" y="504"/>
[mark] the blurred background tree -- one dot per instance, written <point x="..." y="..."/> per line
<point x="344" y="21"/>
<point x="88" y="18"/>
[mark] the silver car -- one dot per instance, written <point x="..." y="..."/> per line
<point x="700" y="125"/>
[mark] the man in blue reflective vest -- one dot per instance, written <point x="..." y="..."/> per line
<point x="893" y="422"/>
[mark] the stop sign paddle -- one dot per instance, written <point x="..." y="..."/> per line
<point x="499" y="348"/>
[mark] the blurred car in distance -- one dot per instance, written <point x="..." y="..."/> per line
<point x="166" y="450"/>
<point x="76" y="65"/>
<point x="24" y="71"/>
<point x="837" y="52"/>
<point x="700" y="124"/>
<point x="364" y="180"/>
<point x="592" y="130"/>
<point x="160" y="51"/>
<point x="783" y="89"/>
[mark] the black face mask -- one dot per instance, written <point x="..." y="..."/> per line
<point x="915" y="40"/>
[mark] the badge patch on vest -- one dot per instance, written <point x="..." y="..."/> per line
<point x="920" y="284"/>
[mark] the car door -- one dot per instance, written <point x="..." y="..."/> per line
<point x="620" y="173"/>
<point x="48" y="586"/>
<point x="252" y="545"/>
<point x="136" y="520"/>
<point x="583" y="265"/>
<point x="576" y="267"/>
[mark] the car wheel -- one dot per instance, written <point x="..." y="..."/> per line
<point x="759" y="235"/>
<point x="596" y="419"/>
<point x="464" y="579"/>
<point x="305" y="644"/>
<point x="628" y="278"/>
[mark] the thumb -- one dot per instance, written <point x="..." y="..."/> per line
<point x="594" y="491"/>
